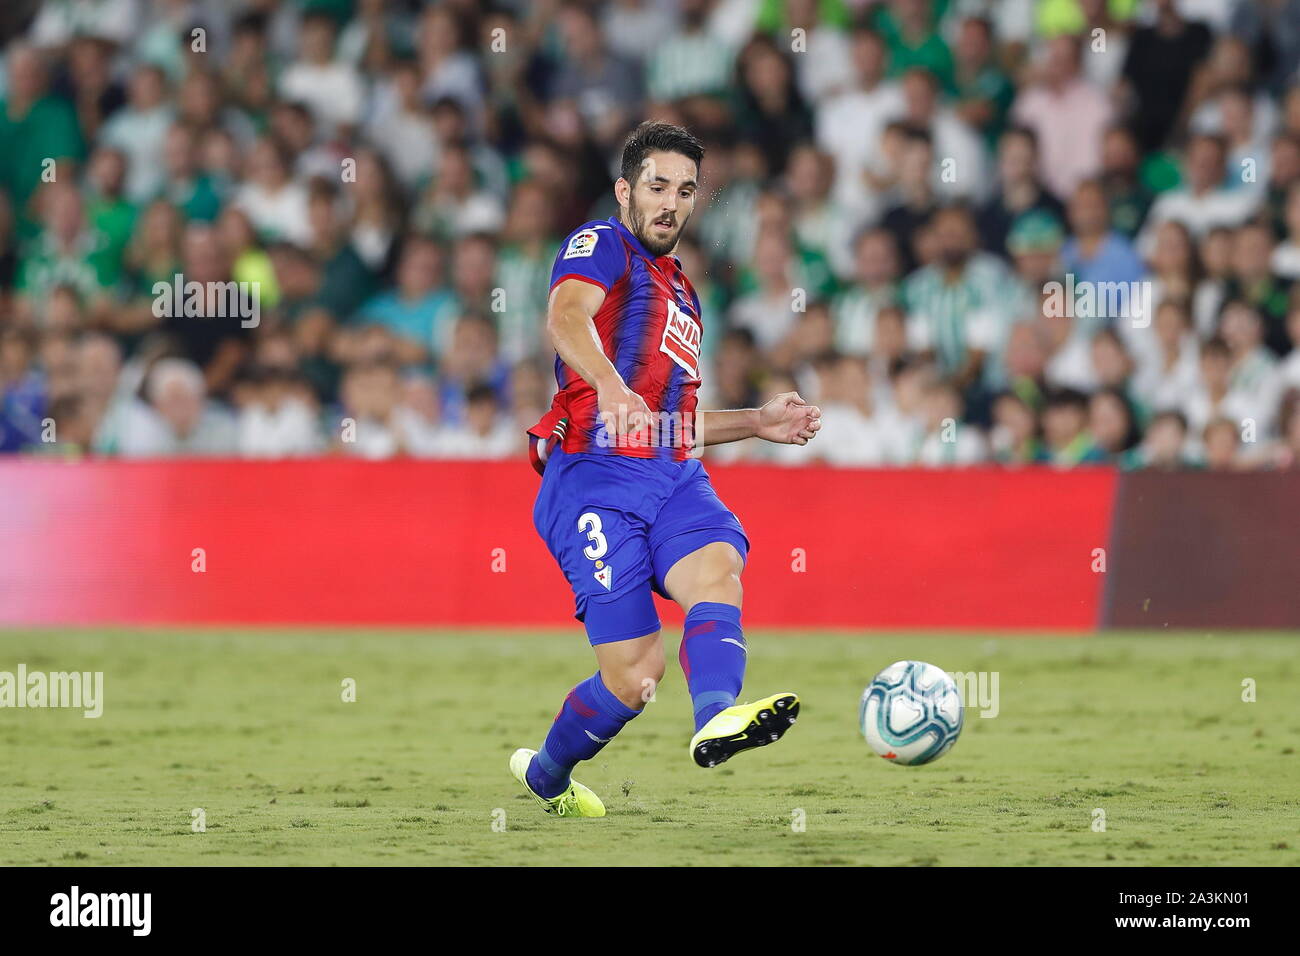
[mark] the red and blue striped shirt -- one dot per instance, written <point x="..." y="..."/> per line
<point x="650" y="327"/>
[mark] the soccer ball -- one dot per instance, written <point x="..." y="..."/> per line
<point x="911" y="713"/>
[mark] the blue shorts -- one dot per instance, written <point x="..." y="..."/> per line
<point x="618" y="524"/>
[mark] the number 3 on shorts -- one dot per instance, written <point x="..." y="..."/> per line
<point x="590" y="523"/>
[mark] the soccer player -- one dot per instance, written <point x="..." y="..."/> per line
<point x="624" y="506"/>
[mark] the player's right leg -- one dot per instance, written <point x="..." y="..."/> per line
<point x="593" y="712"/>
<point x="589" y="514"/>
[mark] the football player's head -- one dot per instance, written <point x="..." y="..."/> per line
<point x="658" y="183"/>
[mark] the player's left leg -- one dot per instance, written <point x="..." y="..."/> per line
<point x="706" y="583"/>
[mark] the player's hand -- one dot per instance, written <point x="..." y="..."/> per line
<point x="788" y="420"/>
<point x="622" y="410"/>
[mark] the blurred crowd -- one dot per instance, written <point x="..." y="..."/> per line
<point x="1011" y="231"/>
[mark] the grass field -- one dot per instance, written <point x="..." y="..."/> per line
<point x="250" y="727"/>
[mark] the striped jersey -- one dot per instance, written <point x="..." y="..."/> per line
<point x="650" y="327"/>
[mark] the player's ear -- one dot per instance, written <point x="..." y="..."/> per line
<point x="623" y="192"/>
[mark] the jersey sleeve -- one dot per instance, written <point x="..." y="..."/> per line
<point x="592" y="254"/>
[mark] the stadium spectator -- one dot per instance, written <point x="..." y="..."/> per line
<point x="485" y="432"/>
<point x="1019" y="190"/>
<point x="329" y="87"/>
<point x="1159" y="67"/>
<point x="1220" y="440"/>
<point x="845" y="388"/>
<point x="178" y="418"/>
<point x="1254" y="367"/>
<point x="369" y="426"/>
<point x="472" y="359"/>
<point x="947" y="440"/>
<point x="1014" y="436"/>
<point x="139" y="130"/>
<point x="1253" y="282"/>
<point x="1285" y="453"/>
<point x="954" y="302"/>
<point x="850" y="123"/>
<point x="418" y="313"/>
<point x="1067" y="113"/>
<point x="1067" y="439"/>
<point x="901" y="421"/>
<point x="1205" y="202"/>
<point x="1094" y="252"/>
<point x="1112" y="422"/>
<point x="984" y="91"/>
<point x="692" y="61"/>
<point x="1164" y="443"/>
<point x="1166" y="376"/>
<point x="1127" y="196"/>
<point x="910" y="199"/>
<point x="960" y="172"/>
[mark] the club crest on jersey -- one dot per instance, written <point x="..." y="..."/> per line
<point x="681" y="340"/>
<point x="605" y="576"/>
<point x="582" y="244"/>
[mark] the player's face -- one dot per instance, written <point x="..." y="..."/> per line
<point x="661" y="201"/>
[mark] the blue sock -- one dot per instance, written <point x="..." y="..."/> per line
<point x="712" y="658"/>
<point x="588" y="719"/>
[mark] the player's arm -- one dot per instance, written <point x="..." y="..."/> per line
<point x="787" y="420"/>
<point x="572" y="328"/>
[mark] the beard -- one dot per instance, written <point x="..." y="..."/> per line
<point x="655" y="245"/>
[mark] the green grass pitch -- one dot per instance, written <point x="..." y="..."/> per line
<point x="250" y="727"/>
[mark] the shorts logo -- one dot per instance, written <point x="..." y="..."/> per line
<point x="582" y="245"/>
<point x="681" y="340"/>
<point x="605" y="576"/>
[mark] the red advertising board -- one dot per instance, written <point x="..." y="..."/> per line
<point x="452" y="543"/>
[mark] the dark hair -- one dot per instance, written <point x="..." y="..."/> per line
<point x="1215" y="345"/>
<point x="1132" y="434"/>
<point x="827" y="357"/>
<point x="1215" y="139"/>
<point x="1067" y="398"/>
<point x="1020" y="132"/>
<point x="481" y="392"/>
<point x="1007" y="395"/>
<point x="651" y="137"/>
<point x="1168" y="415"/>
<point x="475" y="317"/>
<point x="953" y="207"/>
<point x="483" y="238"/>
<point x="250" y="22"/>
<point x="918" y="134"/>
<point x="741" y="335"/>
<point x="871" y="231"/>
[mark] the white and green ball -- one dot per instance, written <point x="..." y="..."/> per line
<point x="911" y="713"/>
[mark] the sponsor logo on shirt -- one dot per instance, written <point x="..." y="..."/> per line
<point x="681" y="341"/>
